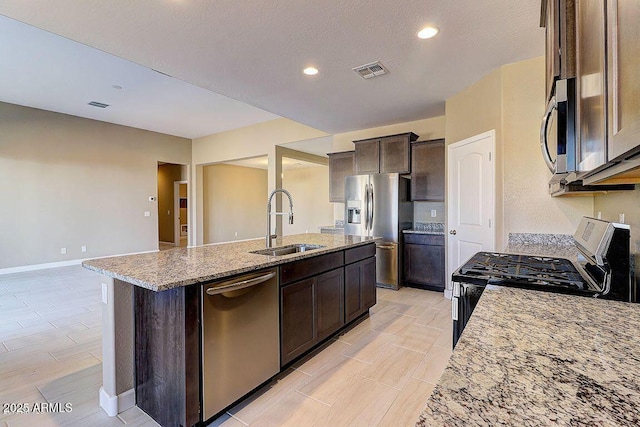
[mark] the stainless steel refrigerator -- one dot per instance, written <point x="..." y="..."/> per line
<point x="379" y="205"/>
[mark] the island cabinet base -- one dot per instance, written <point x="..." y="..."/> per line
<point x="318" y="297"/>
<point x="167" y="354"/>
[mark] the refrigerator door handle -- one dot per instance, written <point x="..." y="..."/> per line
<point x="366" y="207"/>
<point x="371" y="207"/>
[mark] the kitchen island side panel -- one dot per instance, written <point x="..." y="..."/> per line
<point x="167" y="354"/>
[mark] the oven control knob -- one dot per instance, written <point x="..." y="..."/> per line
<point x="454" y="232"/>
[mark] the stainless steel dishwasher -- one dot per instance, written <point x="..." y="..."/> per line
<point x="240" y="337"/>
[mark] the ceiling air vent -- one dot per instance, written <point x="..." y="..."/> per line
<point x="98" y="104"/>
<point x="368" y="71"/>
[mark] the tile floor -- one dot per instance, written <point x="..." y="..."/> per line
<point x="378" y="373"/>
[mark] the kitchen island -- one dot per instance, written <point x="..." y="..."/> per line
<point x="153" y="324"/>
<point x="537" y="358"/>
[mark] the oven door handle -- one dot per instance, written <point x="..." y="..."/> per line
<point x="544" y="143"/>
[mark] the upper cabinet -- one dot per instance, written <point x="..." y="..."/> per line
<point x="624" y="77"/>
<point x="389" y="154"/>
<point x="619" y="89"/>
<point x="427" y="170"/>
<point x="558" y="19"/>
<point x="341" y="165"/>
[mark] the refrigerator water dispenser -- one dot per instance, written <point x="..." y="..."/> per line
<point x="353" y="215"/>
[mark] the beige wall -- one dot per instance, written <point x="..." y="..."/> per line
<point x="234" y="201"/>
<point x="511" y="101"/>
<point x="528" y="208"/>
<point x="612" y="205"/>
<point x="69" y="182"/>
<point x="310" y="192"/>
<point x="167" y="174"/>
<point x="251" y="141"/>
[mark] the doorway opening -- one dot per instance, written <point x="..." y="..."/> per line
<point x="172" y="179"/>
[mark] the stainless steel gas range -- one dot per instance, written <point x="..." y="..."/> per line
<point x="603" y="270"/>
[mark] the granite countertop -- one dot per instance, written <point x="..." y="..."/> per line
<point x="414" y="231"/>
<point x="537" y="358"/>
<point x="426" y="228"/>
<point x="549" y="245"/>
<point x="159" y="271"/>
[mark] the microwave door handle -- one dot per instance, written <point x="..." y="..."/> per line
<point x="544" y="143"/>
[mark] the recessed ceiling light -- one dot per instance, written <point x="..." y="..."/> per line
<point x="428" y="32"/>
<point x="310" y="71"/>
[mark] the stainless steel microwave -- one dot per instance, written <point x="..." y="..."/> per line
<point x="558" y="131"/>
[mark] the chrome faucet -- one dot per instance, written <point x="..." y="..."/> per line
<point x="269" y="235"/>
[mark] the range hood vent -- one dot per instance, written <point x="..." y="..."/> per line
<point x="371" y="70"/>
<point x="98" y="104"/>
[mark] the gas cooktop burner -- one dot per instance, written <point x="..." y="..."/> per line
<point x="523" y="269"/>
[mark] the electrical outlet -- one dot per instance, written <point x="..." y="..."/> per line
<point x="599" y="215"/>
<point x="434" y="213"/>
<point x="621" y="217"/>
<point x="236" y="234"/>
<point x="63" y="251"/>
<point x="147" y="213"/>
<point x="83" y="249"/>
<point x="105" y="293"/>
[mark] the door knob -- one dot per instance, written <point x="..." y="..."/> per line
<point x="454" y="232"/>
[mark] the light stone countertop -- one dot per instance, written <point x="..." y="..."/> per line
<point x="159" y="271"/>
<point x="531" y="358"/>
<point x="548" y="245"/>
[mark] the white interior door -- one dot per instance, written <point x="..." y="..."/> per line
<point x="471" y="199"/>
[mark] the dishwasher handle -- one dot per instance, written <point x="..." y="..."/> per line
<point x="235" y="286"/>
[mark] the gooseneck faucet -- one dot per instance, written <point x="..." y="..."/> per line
<point x="269" y="235"/>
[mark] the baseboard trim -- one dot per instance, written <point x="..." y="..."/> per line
<point x="126" y="400"/>
<point x="108" y="403"/>
<point x="33" y="267"/>
<point x="447" y="293"/>
<point x="114" y="405"/>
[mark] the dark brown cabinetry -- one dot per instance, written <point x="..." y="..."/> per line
<point x="623" y="77"/>
<point x="389" y="154"/>
<point x="558" y="19"/>
<point x="424" y="261"/>
<point x="427" y="170"/>
<point x="341" y="165"/>
<point x="311" y="309"/>
<point x="167" y="351"/>
<point x="359" y="281"/>
<point x="611" y="88"/>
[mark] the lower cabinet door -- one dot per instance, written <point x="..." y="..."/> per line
<point x="359" y="288"/>
<point x="298" y="332"/>
<point x="368" y="283"/>
<point x="424" y="265"/>
<point x="329" y="289"/>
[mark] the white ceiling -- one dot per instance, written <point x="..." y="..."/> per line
<point x="254" y="50"/>
<point x="43" y="70"/>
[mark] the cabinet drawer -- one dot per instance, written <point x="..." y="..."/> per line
<point x="361" y="252"/>
<point x="310" y="267"/>
<point x="424" y="239"/>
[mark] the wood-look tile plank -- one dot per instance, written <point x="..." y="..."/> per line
<point x="225" y="420"/>
<point x="312" y="363"/>
<point x="339" y="374"/>
<point x="433" y="365"/>
<point x="393" y="366"/>
<point x="418" y="338"/>
<point x="409" y="404"/>
<point x="251" y="409"/>
<point x="137" y="417"/>
<point x="368" y="345"/>
<point x="294" y="410"/>
<point x="364" y="403"/>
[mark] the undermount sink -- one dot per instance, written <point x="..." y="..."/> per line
<point x="287" y="250"/>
